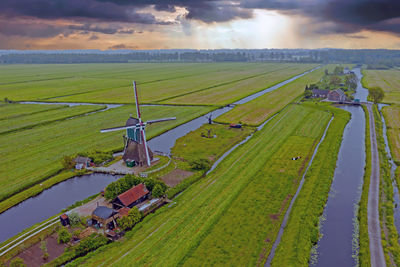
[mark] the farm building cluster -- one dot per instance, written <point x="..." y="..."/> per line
<point x="105" y="218"/>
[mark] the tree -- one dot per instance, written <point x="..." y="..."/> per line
<point x="307" y="94"/>
<point x="334" y="80"/>
<point x="74" y="218"/>
<point x="63" y="236"/>
<point x="68" y="162"/>
<point x="17" y="262"/>
<point x="338" y="70"/>
<point x="376" y="94"/>
<point x="158" y="191"/>
<point x="43" y="247"/>
<point x="200" y="164"/>
<point x="133" y="217"/>
<point x="326" y="72"/>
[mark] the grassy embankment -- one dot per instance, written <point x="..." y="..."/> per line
<point x="392" y="118"/>
<point x="390" y="236"/>
<point x="364" y="255"/>
<point x="301" y="232"/>
<point x="111" y="83"/>
<point x="34" y="155"/>
<point x="249" y="193"/>
<point x="388" y="80"/>
<point x="263" y="107"/>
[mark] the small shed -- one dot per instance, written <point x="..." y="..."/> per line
<point x="132" y="197"/>
<point x="64" y="219"/>
<point x="82" y="162"/>
<point x="104" y="217"/>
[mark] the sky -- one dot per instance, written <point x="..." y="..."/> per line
<point x="199" y="24"/>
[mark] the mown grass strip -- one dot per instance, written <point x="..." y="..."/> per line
<point x="364" y="252"/>
<point x="301" y="232"/>
<point x="263" y="107"/>
<point x="47" y="117"/>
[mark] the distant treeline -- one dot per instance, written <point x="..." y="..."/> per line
<point x="378" y="58"/>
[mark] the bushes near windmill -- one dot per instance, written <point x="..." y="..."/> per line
<point x="127" y="182"/>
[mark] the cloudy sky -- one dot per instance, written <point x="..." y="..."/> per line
<point x="198" y="24"/>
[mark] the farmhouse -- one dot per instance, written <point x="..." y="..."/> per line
<point x="319" y="93"/>
<point x="132" y="197"/>
<point x="337" y="95"/>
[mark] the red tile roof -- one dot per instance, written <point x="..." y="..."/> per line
<point x="64" y="216"/>
<point x="133" y="194"/>
<point x="124" y="211"/>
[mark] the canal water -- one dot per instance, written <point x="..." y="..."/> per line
<point x="64" y="194"/>
<point x="49" y="202"/>
<point x="338" y="245"/>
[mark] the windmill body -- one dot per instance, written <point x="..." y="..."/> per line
<point x="136" y="150"/>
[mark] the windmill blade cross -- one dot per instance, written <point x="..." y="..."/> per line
<point x="145" y="146"/>
<point x="116" y="128"/>
<point x="136" y="101"/>
<point x="161" y="120"/>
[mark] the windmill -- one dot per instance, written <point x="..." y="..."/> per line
<point x="136" y="150"/>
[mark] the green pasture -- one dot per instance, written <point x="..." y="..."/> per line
<point x="260" y="109"/>
<point x="301" y="232"/>
<point x="44" y="117"/>
<point x="32" y="155"/>
<point x="11" y="111"/>
<point x="157" y="82"/>
<point x="195" y="146"/>
<point x="392" y="118"/>
<point x="231" y="216"/>
<point x="388" y="80"/>
<point x="390" y="244"/>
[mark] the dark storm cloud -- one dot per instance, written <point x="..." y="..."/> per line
<point x="327" y="16"/>
<point x="76" y="9"/>
<point x="29" y="29"/>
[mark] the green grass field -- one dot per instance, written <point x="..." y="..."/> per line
<point x="392" y="118"/>
<point x="32" y="155"/>
<point x="43" y="117"/>
<point x="193" y="146"/>
<point x="388" y="80"/>
<point x="158" y="82"/>
<point x="231" y="216"/>
<point x="260" y="109"/>
<point x="302" y="232"/>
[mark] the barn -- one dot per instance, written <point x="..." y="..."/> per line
<point x="132" y="197"/>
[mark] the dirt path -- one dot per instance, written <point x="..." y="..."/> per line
<point x="374" y="230"/>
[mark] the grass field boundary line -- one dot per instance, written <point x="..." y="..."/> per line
<point x="288" y="211"/>
<point x="33" y="113"/>
<point x="42" y="227"/>
<point x="226" y="83"/>
<point x="41" y="80"/>
<point x="28" y="127"/>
